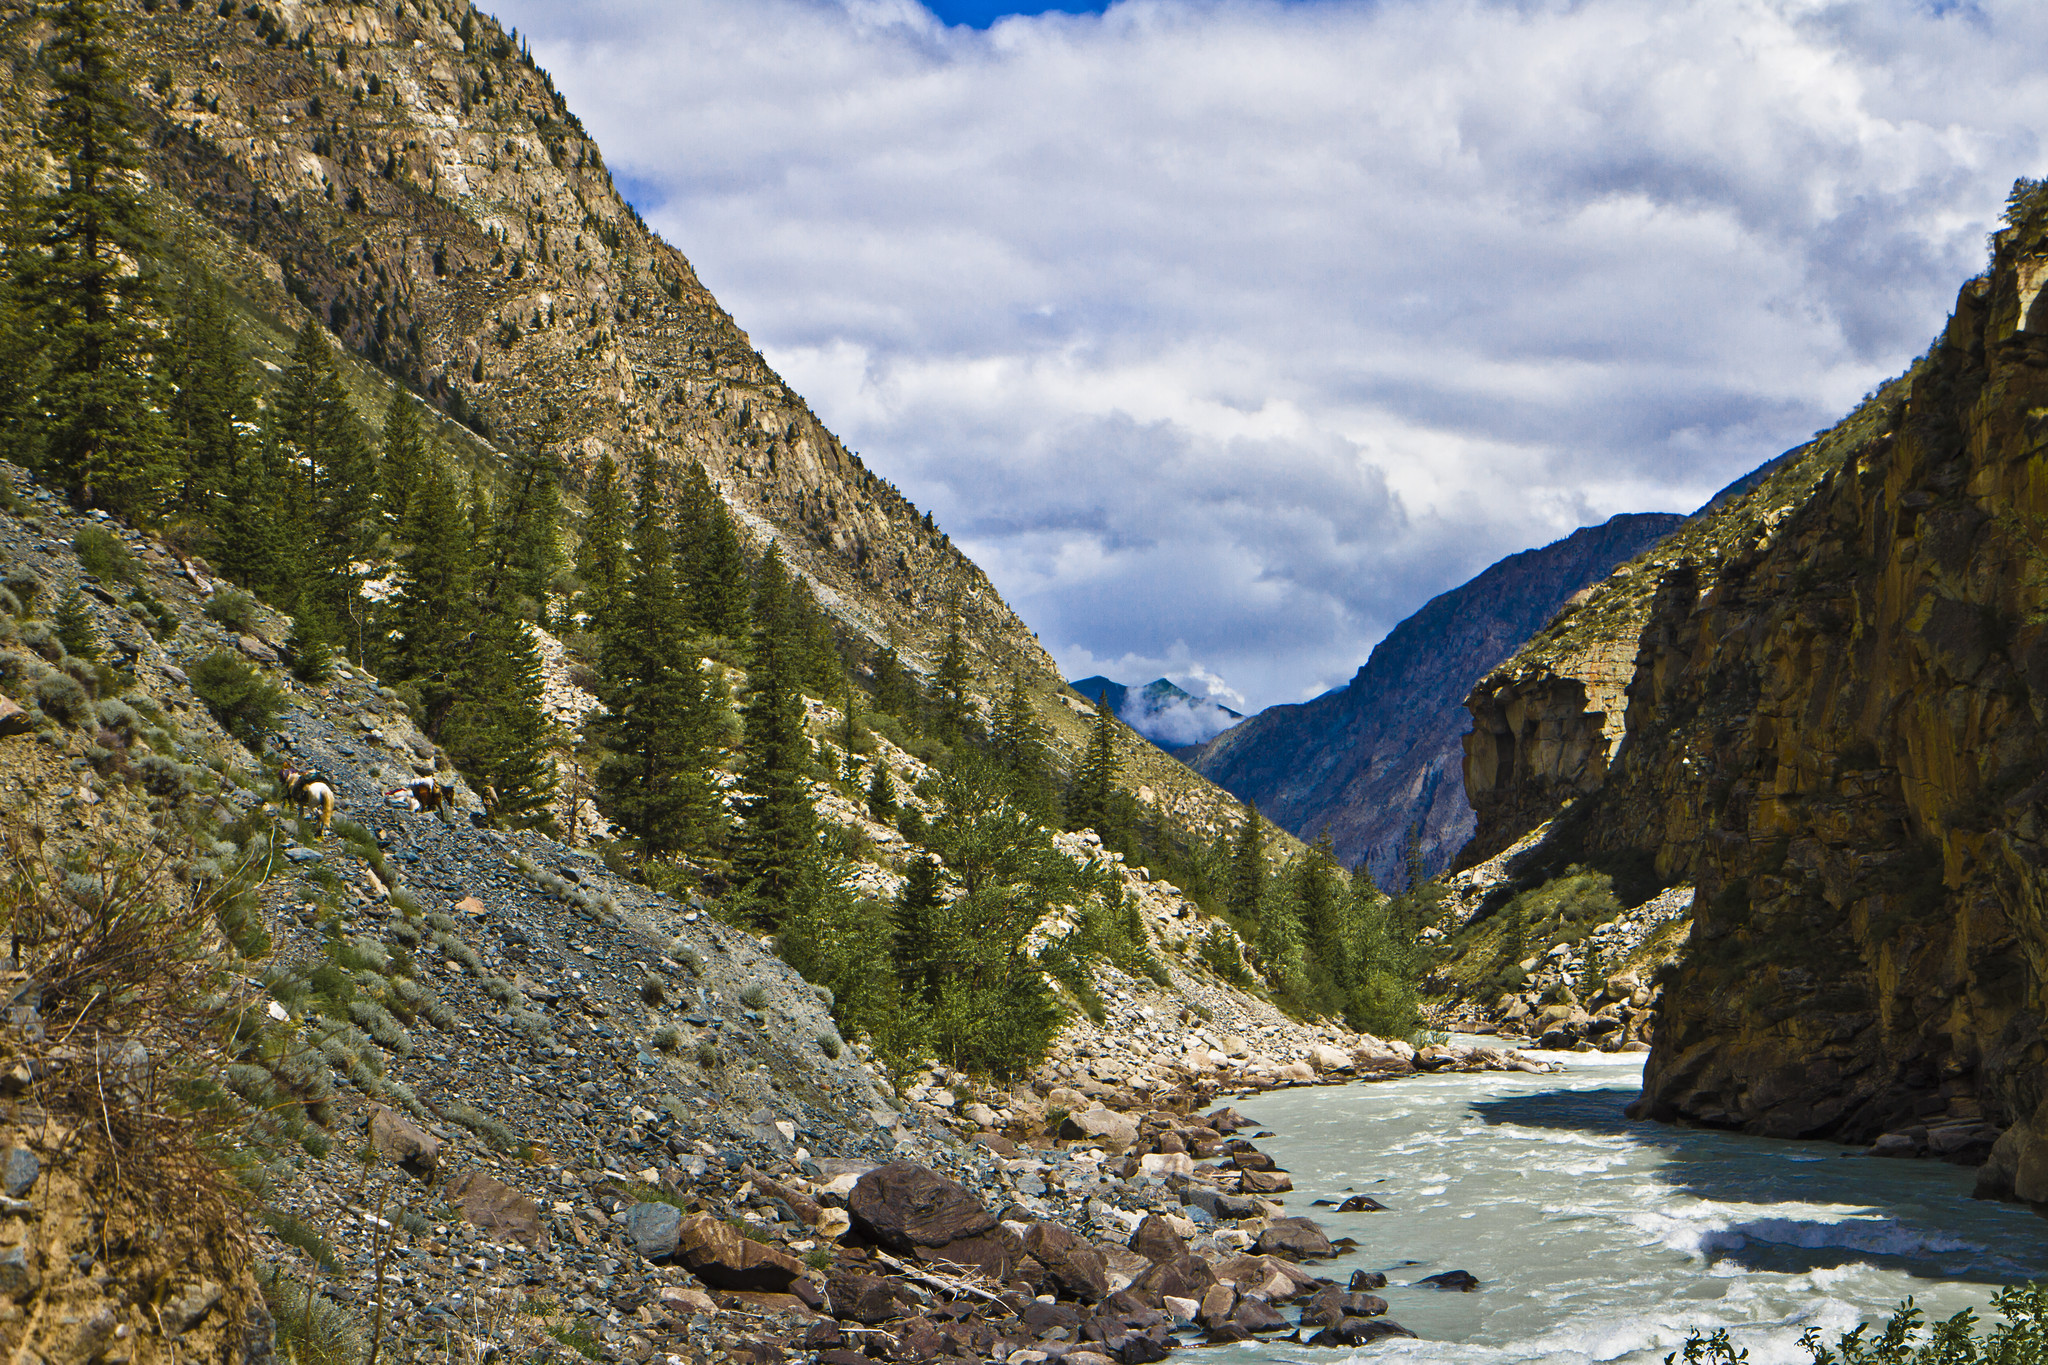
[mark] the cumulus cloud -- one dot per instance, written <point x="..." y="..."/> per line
<point x="1252" y="324"/>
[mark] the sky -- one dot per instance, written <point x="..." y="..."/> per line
<point x="1225" y="333"/>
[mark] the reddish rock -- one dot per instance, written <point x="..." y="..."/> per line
<point x="405" y="1142"/>
<point x="996" y="1253"/>
<point x="496" y="1208"/>
<point x="1216" y="1306"/>
<point x="1295" y="1239"/>
<point x="13" y="720"/>
<point x="1073" y="1268"/>
<point x="1267" y="1182"/>
<point x="904" y="1206"/>
<point x="717" y="1254"/>
<point x="866" y="1299"/>
<point x="1182" y="1277"/>
<point x="1156" y="1241"/>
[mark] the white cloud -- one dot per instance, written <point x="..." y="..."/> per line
<point x="1251" y="325"/>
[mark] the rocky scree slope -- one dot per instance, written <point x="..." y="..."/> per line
<point x="1381" y="754"/>
<point x="409" y="178"/>
<point x="555" y="1070"/>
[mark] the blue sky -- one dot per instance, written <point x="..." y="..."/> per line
<point x="1225" y="333"/>
<point x="982" y="13"/>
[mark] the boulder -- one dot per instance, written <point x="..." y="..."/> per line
<point x="1361" y="1203"/>
<point x="1216" y="1306"/>
<point x="1295" y="1239"/>
<point x="1323" y="1057"/>
<point x="721" y="1257"/>
<point x="856" y="1297"/>
<point x="904" y="1206"/>
<point x="395" y="1136"/>
<point x="1463" y="1281"/>
<point x="1355" y="1332"/>
<point x="1074" y="1269"/>
<point x="1327" y="1307"/>
<point x="995" y="1253"/>
<point x="1106" y="1126"/>
<point x="653" y="1228"/>
<point x="1267" y="1182"/>
<point x="1156" y="1240"/>
<point x="1182" y="1277"/>
<point x="497" y="1209"/>
<point x="1123" y="1265"/>
<point x="1254" y="1314"/>
<point x="1252" y="1159"/>
<point x="1166" y="1163"/>
<point x="1367" y="1279"/>
<point x="13" y="720"/>
<point x="1275" y="1279"/>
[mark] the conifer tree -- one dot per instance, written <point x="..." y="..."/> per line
<point x="957" y="718"/>
<point x="714" y="565"/>
<point x="1018" y="743"/>
<point x="1090" y="804"/>
<point x="1247" y="890"/>
<point x="74" y="626"/>
<point x="1325" y="911"/>
<point x="210" y="393"/>
<point x="780" y="824"/>
<point x="894" y="692"/>
<point x="499" y="732"/>
<point x="881" y="793"/>
<point x="1381" y="998"/>
<point x="91" y="291"/>
<point x="22" y="357"/>
<point x="917" y="927"/>
<point x="434" y="614"/>
<point x="406" y="455"/>
<point x="661" y="710"/>
<point x="601" y="559"/>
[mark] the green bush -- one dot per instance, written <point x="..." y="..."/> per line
<point x="2020" y="1337"/>
<point x="246" y="703"/>
<point x="26" y="587"/>
<point x="104" y="555"/>
<point x="74" y="626"/>
<point x="64" y="697"/>
<point x="234" y="609"/>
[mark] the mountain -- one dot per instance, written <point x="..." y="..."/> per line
<point x="1369" y="760"/>
<point x="1168" y="715"/>
<point x="1836" y="727"/>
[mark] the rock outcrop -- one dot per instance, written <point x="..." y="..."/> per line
<point x="1366" y="762"/>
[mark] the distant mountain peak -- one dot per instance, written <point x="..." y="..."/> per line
<point x="1162" y="711"/>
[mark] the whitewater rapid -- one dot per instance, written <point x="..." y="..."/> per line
<point x="1602" y="1239"/>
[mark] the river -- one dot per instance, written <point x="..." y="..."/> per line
<point x="1602" y="1239"/>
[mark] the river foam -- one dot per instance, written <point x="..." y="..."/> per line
<point x="1601" y="1239"/>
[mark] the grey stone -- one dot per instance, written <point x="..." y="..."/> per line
<point x="18" y="1171"/>
<point x="654" y="1229"/>
<point x="303" y="855"/>
<point x="17" y="1274"/>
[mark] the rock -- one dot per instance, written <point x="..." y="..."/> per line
<point x="654" y="1229"/>
<point x="1361" y="1203"/>
<point x="979" y="1114"/>
<point x="304" y="855"/>
<point x="405" y="1142"/>
<point x="687" y="1299"/>
<point x="1895" y="1145"/>
<point x="1327" y="1307"/>
<point x="995" y="1253"/>
<point x="862" y="1298"/>
<point x="1183" y="1276"/>
<point x="1254" y="1314"/>
<point x="1464" y="1281"/>
<point x="187" y="1305"/>
<point x="1225" y="1334"/>
<point x="1267" y="1182"/>
<point x="13" y="719"/>
<point x="1183" y="1310"/>
<point x="1251" y="1159"/>
<point x="18" y="1171"/>
<point x="904" y="1206"/>
<point x="1166" y="1163"/>
<point x="1295" y="1239"/>
<point x="1216" y="1306"/>
<point x="1155" y="1240"/>
<point x="1367" y="1279"/>
<point x="721" y="1257"/>
<point x="257" y="650"/>
<point x="1355" y="1332"/>
<point x="19" y="1277"/>
<point x="1074" y="1268"/>
<point x="1106" y="1126"/>
<point x="498" y="1209"/>
<point x="833" y="1224"/>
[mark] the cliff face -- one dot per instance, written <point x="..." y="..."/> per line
<point x="1546" y="723"/>
<point x="1835" y="728"/>
<point x="1366" y="761"/>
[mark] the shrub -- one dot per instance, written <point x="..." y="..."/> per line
<point x="10" y="605"/>
<point x="483" y="1125"/>
<point x="119" y="717"/>
<point x="43" y="641"/>
<point x="301" y="1236"/>
<point x="234" y="609"/>
<point x="707" y="1055"/>
<point x="63" y="696"/>
<point x="103" y="554"/>
<point x="161" y="776"/>
<point x="828" y="1043"/>
<point x="668" y="1038"/>
<point x="755" y="996"/>
<point x="26" y="587"/>
<point x="245" y="702"/>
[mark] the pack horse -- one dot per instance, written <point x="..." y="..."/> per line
<point x="310" y="789"/>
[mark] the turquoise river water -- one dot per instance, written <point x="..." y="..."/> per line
<point x="1603" y="1239"/>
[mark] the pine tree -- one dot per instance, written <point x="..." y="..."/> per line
<point x="1278" y="945"/>
<point x="1090" y="804"/>
<point x="1325" y="910"/>
<point x="499" y="732"/>
<point x="894" y="692"/>
<point x="526" y="547"/>
<point x="1248" y="868"/>
<point x="1018" y="743"/>
<point x="434" y="614"/>
<point x="881" y="793"/>
<point x="22" y="357"/>
<point x="601" y="559"/>
<point x="917" y="927"/>
<point x="957" y="718"/>
<point x="661" y="710"/>
<point x="713" y="563"/>
<point x="210" y="393"/>
<point x="256" y="544"/>
<point x="92" y="295"/>
<point x="780" y="824"/>
<point x="74" y="626"/>
<point x="406" y="455"/>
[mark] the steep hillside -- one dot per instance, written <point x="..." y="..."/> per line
<point x="1370" y="760"/>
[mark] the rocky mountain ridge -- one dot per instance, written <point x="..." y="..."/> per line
<point x="1367" y="761"/>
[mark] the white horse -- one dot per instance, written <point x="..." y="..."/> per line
<point x="310" y="789"/>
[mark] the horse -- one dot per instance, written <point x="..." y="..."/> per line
<point x="310" y="789"/>
<point x="425" y="793"/>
